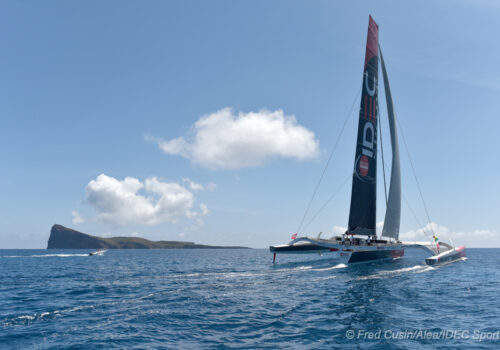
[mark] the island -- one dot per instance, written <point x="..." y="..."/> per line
<point x="65" y="238"/>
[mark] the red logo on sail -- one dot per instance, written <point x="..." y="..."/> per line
<point x="363" y="166"/>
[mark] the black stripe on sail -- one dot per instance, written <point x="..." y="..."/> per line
<point x="362" y="215"/>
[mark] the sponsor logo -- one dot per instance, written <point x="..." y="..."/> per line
<point x="363" y="166"/>
<point x="368" y="142"/>
<point x="371" y="91"/>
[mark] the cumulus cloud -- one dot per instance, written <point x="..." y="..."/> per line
<point x="204" y="209"/>
<point x="472" y="238"/>
<point x="339" y="230"/>
<point x="130" y="201"/>
<point x="76" y="218"/>
<point x="227" y="140"/>
<point x="199" y="187"/>
<point x="424" y="233"/>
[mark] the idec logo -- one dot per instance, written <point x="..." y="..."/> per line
<point x="368" y="138"/>
<point x="363" y="166"/>
<point x="371" y="91"/>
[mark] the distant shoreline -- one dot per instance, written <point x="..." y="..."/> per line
<point x="66" y="238"/>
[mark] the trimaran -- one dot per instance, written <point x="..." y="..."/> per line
<point x="360" y="242"/>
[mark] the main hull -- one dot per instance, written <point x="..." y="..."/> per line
<point x="346" y="253"/>
<point x="373" y="255"/>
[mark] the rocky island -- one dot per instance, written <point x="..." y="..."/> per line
<point x="65" y="238"/>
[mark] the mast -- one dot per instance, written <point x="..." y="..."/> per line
<point x="393" y="212"/>
<point x="362" y="215"/>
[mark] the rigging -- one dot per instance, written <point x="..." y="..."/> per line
<point x="328" y="161"/>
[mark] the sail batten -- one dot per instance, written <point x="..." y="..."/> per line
<point x="393" y="212"/>
<point x="362" y="214"/>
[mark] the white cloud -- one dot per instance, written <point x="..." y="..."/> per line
<point x="193" y="185"/>
<point x="204" y="209"/>
<point x="339" y="230"/>
<point x="199" y="187"/>
<point x="76" y="218"/>
<point x="474" y="238"/>
<point x="231" y="141"/>
<point x="132" y="202"/>
<point x="422" y="234"/>
<point x="211" y="186"/>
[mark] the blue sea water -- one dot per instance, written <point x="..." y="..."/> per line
<point x="204" y="299"/>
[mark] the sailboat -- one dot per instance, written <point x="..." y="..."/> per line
<point x="360" y="242"/>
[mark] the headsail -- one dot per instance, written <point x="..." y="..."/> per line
<point x="393" y="212"/>
<point x="362" y="215"/>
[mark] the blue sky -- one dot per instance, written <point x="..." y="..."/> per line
<point x="93" y="93"/>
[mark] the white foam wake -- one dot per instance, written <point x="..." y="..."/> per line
<point x="43" y="256"/>
<point x="335" y="267"/>
<point x="412" y="269"/>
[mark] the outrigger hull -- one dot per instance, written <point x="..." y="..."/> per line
<point x="447" y="256"/>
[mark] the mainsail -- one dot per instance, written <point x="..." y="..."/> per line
<point x="362" y="215"/>
<point x="393" y="212"/>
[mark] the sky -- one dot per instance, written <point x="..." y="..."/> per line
<point x="212" y="121"/>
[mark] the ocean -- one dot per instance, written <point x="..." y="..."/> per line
<point x="237" y="299"/>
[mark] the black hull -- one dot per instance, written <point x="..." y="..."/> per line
<point x="372" y="255"/>
<point x="299" y="248"/>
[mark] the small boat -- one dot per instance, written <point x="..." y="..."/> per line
<point x="447" y="256"/>
<point x="97" y="252"/>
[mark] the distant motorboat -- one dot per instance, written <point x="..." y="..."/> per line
<point x="98" y="252"/>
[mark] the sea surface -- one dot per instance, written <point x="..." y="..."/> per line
<point x="237" y="299"/>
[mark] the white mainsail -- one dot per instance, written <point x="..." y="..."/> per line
<point x="393" y="211"/>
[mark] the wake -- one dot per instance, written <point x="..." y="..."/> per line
<point x="391" y="273"/>
<point x="44" y="256"/>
